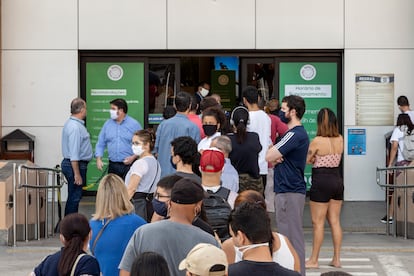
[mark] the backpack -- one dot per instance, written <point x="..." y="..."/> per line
<point x="218" y="211"/>
<point x="408" y="149"/>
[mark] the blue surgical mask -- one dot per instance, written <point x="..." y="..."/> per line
<point x="159" y="207"/>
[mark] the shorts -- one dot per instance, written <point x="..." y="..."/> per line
<point x="327" y="184"/>
<point x="246" y="182"/>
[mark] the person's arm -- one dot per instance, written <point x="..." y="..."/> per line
<point x="130" y="159"/>
<point x="393" y="153"/>
<point x="124" y="273"/>
<point x="228" y="248"/>
<point x="76" y="172"/>
<point x="273" y="155"/>
<point x="138" y="170"/>
<point x="296" y="266"/>
<point x="133" y="184"/>
<point x="100" y="148"/>
<point x="310" y="158"/>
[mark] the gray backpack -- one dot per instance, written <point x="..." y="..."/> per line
<point x="408" y="149"/>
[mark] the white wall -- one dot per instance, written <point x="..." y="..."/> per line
<point x="41" y="39"/>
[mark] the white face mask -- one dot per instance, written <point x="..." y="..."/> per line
<point x="204" y="92"/>
<point x="240" y="250"/>
<point x="114" y="114"/>
<point x="137" y="150"/>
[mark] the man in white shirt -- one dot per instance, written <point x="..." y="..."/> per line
<point x="260" y="123"/>
<point x="404" y="106"/>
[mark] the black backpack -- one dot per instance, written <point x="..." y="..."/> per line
<point x="218" y="211"/>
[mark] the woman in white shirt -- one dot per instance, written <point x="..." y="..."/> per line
<point x="213" y="120"/>
<point x="144" y="173"/>
<point x="404" y="124"/>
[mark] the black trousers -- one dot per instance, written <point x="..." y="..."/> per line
<point x="118" y="168"/>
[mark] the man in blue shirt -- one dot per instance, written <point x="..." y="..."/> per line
<point x="116" y="134"/>
<point x="289" y="155"/>
<point x="177" y="126"/>
<point x="77" y="152"/>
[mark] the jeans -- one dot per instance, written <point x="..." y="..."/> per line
<point x="74" y="191"/>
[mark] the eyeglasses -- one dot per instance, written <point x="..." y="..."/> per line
<point x="158" y="196"/>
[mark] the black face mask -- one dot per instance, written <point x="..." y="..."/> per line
<point x="283" y="117"/>
<point x="172" y="163"/>
<point x="159" y="207"/>
<point x="209" y="130"/>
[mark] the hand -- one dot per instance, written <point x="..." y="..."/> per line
<point x="99" y="164"/>
<point x="130" y="159"/>
<point x="78" y="179"/>
<point x="280" y="160"/>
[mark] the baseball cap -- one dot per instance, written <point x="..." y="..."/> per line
<point x="202" y="258"/>
<point x="186" y="191"/>
<point x="212" y="160"/>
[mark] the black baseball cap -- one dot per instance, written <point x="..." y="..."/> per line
<point x="186" y="191"/>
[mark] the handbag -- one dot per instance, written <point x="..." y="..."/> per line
<point x="143" y="201"/>
<point x="72" y="272"/>
<point x="98" y="236"/>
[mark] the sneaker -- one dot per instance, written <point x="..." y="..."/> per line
<point x="384" y="220"/>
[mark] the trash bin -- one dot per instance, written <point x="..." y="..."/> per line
<point x="17" y="145"/>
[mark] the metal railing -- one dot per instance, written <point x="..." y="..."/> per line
<point x="387" y="179"/>
<point x="47" y="179"/>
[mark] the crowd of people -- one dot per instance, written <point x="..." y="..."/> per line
<point x="190" y="198"/>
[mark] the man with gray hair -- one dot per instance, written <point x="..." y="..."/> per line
<point x="229" y="176"/>
<point x="77" y="152"/>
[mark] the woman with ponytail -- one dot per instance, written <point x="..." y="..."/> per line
<point x="245" y="151"/>
<point x="72" y="258"/>
<point x="144" y="174"/>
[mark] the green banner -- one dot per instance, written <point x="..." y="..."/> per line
<point x="223" y="82"/>
<point x="105" y="82"/>
<point x="317" y="84"/>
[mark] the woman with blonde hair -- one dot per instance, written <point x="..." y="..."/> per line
<point x="113" y="223"/>
<point x="327" y="190"/>
<point x="282" y="250"/>
<point x="144" y="174"/>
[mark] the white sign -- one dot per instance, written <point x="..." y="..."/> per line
<point x="108" y="92"/>
<point x="309" y="91"/>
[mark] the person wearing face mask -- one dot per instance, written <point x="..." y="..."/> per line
<point x="142" y="177"/>
<point x="116" y="135"/>
<point x="174" y="237"/>
<point x="289" y="159"/>
<point x="203" y="89"/>
<point x="283" y="252"/>
<point x="185" y="158"/>
<point x="162" y="197"/>
<point x="249" y="226"/>
<point x="212" y="119"/>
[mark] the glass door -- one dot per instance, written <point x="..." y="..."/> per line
<point x="163" y="84"/>
<point x="260" y="73"/>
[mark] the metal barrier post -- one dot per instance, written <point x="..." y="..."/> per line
<point x="14" y="205"/>
<point x="405" y="207"/>
<point x="50" y="172"/>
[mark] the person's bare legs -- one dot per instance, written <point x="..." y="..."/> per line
<point x="334" y="213"/>
<point x="318" y="213"/>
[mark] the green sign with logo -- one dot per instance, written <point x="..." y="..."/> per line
<point x="223" y="83"/>
<point x="106" y="81"/>
<point x="317" y="84"/>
